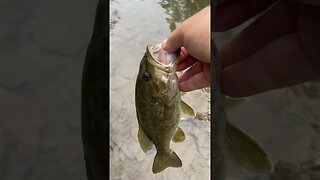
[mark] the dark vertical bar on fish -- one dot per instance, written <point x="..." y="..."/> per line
<point x="217" y="110"/>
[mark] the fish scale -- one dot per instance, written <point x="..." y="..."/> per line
<point x="158" y="105"/>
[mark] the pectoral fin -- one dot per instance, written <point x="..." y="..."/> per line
<point x="246" y="152"/>
<point x="185" y="108"/>
<point x="144" y="141"/>
<point x="179" y="136"/>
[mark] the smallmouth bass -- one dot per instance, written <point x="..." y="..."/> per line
<point x="158" y="106"/>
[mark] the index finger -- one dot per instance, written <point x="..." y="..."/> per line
<point x="185" y="60"/>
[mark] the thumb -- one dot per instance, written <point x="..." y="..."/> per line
<point x="174" y="41"/>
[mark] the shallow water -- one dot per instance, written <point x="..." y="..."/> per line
<point x="133" y="26"/>
<point x="286" y="121"/>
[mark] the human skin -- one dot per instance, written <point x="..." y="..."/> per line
<point x="281" y="48"/>
<point x="193" y="36"/>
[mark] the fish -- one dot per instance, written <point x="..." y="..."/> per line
<point x="157" y="101"/>
<point x="159" y="106"/>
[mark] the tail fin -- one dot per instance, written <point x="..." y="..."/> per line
<point x="162" y="161"/>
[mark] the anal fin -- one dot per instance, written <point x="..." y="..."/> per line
<point x="179" y="136"/>
<point x="144" y="141"/>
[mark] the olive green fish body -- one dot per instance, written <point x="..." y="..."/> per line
<point x="158" y="106"/>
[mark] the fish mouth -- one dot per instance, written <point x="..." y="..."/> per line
<point x="162" y="59"/>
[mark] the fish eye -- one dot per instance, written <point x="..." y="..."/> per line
<point x="147" y="76"/>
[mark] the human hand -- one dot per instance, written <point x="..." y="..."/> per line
<point x="193" y="36"/>
<point x="281" y="48"/>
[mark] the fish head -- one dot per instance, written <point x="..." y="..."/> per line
<point x="157" y="77"/>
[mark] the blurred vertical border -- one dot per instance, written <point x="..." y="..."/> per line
<point x="95" y="98"/>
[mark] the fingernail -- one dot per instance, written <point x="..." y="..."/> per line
<point x="163" y="44"/>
